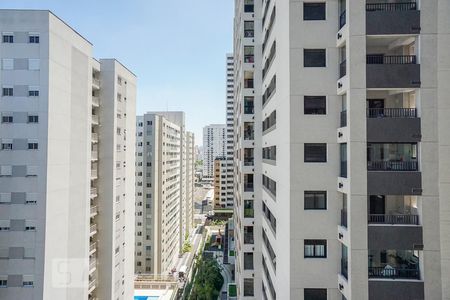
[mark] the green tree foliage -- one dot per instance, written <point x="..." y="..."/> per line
<point x="208" y="281"/>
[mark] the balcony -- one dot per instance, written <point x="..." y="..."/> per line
<point x="93" y="229"/>
<point x="392" y="18"/>
<point x="394" y="219"/>
<point x="392" y="71"/>
<point x="95" y="119"/>
<point x="95" y="82"/>
<point x="92" y="265"/>
<point x="343" y="118"/>
<point x="394" y="125"/>
<point x="386" y="236"/>
<point x="93" y="192"/>
<point x="343" y="69"/>
<point x="248" y="187"/>
<point x="249" y="109"/>
<point x="393" y="273"/>
<point x="92" y="247"/>
<point x="344" y="268"/>
<point x="92" y="284"/>
<point x="344" y="218"/>
<point x="95" y="101"/>
<point x="396" y="289"/>
<point x="94" y="174"/>
<point x="394" y="166"/>
<point x="94" y="211"/>
<point x="94" y="137"/>
<point x="94" y="155"/>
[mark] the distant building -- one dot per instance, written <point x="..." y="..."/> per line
<point x="214" y="144"/>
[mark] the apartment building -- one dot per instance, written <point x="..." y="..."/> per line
<point x="220" y="183"/>
<point x="67" y="164"/>
<point x="164" y="190"/>
<point x="229" y="170"/>
<point x="349" y="196"/>
<point x="214" y="145"/>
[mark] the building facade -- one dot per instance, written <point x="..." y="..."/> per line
<point x="65" y="181"/>
<point x="164" y="190"/>
<point x="214" y="145"/>
<point x="229" y="170"/>
<point x="349" y="194"/>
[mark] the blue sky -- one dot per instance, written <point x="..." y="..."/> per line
<point x="176" y="48"/>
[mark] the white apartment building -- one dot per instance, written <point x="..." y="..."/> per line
<point x="349" y="197"/>
<point x="164" y="190"/>
<point x="214" y="145"/>
<point x="229" y="170"/>
<point x="66" y="166"/>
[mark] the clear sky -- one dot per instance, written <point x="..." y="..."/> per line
<point x="177" y="48"/>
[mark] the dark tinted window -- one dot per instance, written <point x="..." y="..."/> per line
<point x="314" y="58"/>
<point x="315" y="152"/>
<point x="315" y="105"/>
<point x="315" y="294"/>
<point x="313" y="11"/>
<point x="315" y="199"/>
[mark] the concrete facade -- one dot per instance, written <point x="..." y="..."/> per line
<point x="348" y="198"/>
<point x="214" y="145"/>
<point x="53" y="180"/>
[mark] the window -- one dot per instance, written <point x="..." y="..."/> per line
<point x="315" y="152"/>
<point x="248" y="6"/>
<point x="33" y="92"/>
<point x="3" y="283"/>
<point x="249" y="54"/>
<point x="315" y="200"/>
<point x="8" y="91"/>
<point x="33" y="119"/>
<point x="248" y="209"/>
<point x="8" y="38"/>
<point x="314" y="58"/>
<point x="248" y="287"/>
<point x="315" y="294"/>
<point x="248" y="260"/>
<point x="315" y="105"/>
<point x="7" y="146"/>
<point x="33" y="38"/>
<point x="315" y="248"/>
<point x="248" y="30"/>
<point x="33" y="146"/>
<point x="33" y="64"/>
<point x="8" y="64"/>
<point x="248" y="235"/>
<point x="313" y="11"/>
<point x="7" y="119"/>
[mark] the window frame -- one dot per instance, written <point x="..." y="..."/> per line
<point x="310" y="64"/>
<point x="311" y="160"/>
<point x="315" y="194"/>
<point x="314" y="111"/>
<point x="312" y="4"/>
<point x="314" y="297"/>
<point x="315" y="243"/>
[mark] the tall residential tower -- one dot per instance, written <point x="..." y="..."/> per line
<point x="349" y="188"/>
<point x="66" y="164"/>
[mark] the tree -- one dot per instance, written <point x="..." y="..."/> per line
<point x="208" y="281"/>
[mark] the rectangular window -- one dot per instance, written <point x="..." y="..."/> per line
<point x="315" y="200"/>
<point x="248" y="209"/>
<point x="33" y="146"/>
<point x="313" y="11"/>
<point x="33" y="38"/>
<point x="7" y="119"/>
<point x="33" y="93"/>
<point x="7" y="64"/>
<point x="7" y="146"/>
<point x="314" y="58"/>
<point x="248" y="260"/>
<point x="315" y="248"/>
<point x="249" y="29"/>
<point x="33" y="119"/>
<point x="8" y="38"/>
<point x="315" y="105"/>
<point x="315" y="152"/>
<point x="248" y="6"/>
<point x="3" y="283"/>
<point x="315" y="294"/>
<point x="8" y="91"/>
<point x="248" y="287"/>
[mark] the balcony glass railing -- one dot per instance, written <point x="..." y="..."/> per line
<point x="342" y="19"/>
<point x="248" y="187"/>
<point x="392" y="166"/>
<point x="389" y="272"/>
<point x="343" y="69"/>
<point x="344" y="267"/>
<point x="397" y="219"/>
<point x="343" y="118"/>
<point x="344" y="218"/>
<point x="392" y="113"/>
<point x="399" y="6"/>
<point x="381" y="59"/>
<point x="249" y="109"/>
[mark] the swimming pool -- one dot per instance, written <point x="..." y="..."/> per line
<point x="146" y="297"/>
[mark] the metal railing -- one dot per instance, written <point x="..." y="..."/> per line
<point x="381" y="59"/>
<point x="93" y="173"/>
<point x="93" y="228"/>
<point x="343" y="69"/>
<point x="93" y="191"/>
<point x="394" y="273"/>
<point x="343" y="118"/>
<point x="96" y="81"/>
<point x="95" y="119"/>
<point x="249" y="33"/>
<point x="249" y="161"/>
<point x="392" y="166"/>
<point x="393" y="219"/>
<point x="342" y="19"/>
<point x="392" y="113"/>
<point x="93" y="246"/>
<point x="94" y="136"/>
<point x="248" y="238"/>
<point x="249" y="212"/>
<point x="401" y="6"/>
<point x="95" y="100"/>
<point x="344" y="218"/>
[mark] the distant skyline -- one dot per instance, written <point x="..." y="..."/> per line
<point x="177" y="49"/>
